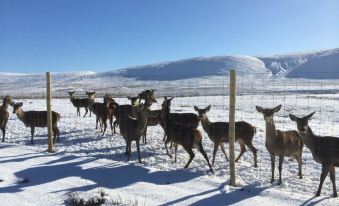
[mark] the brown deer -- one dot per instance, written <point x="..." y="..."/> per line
<point x="127" y="110"/>
<point x="84" y="102"/>
<point x="103" y="111"/>
<point x="281" y="143"/>
<point x="131" y="129"/>
<point x="152" y="120"/>
<point x="325" y="150"/>
<point x="148" y="97"/>
<point x="112" y="110"/>
<point x="218" y="134"/>
<point x="4" y="114"/>
<point x="34" y="119"/>
<point x="181" y="134"/>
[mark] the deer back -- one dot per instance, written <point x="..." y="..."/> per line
<point x="188" y="119"/>
<point x="39" y="118"/>
<point x="285" y="143"/>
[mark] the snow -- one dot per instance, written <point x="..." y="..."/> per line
<point x="84" y="161"/>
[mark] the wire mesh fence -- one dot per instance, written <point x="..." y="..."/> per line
<point x="79" y="135"/>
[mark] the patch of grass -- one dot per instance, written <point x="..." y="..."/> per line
<point x="74" y="199"/>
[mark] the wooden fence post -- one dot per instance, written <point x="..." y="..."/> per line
<point x="49" y="112"/>
<point x="231" y="130"/>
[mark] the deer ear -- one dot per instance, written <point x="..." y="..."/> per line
<point x="277" y="108"/>
<point x="208" y="108"/>
<point x="128" y="97"/>
<point x="259" y="109"/>
<point x="171" y="98"/>
<point x="292" y="117"/>
<point x="20" y="104"/>
<point x="165" y="97"/>
<point x="310" y="115"/>
<point x="196" y="108"/>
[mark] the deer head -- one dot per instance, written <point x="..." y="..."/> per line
<point x="135" y="101"/>
<point x="302" y="123"/>
<point x="17" y="107"/>
<point x="268" y="113"/>
<point x="202" y="112"/>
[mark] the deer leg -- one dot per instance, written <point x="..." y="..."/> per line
<point x="242" y="150"/>
<point x="272" y="166"/>
<point x="104" y="122"/>
<point x="216" y="145"/>
<point x="85" y="112"/>
<point x="175" y="152"/>
<point x="111" y="124"/>
<point x="166" y="142"/>
<point x="144" y="135"/>
<point x="54" y="134"/>
<point x="298" y="158"/>
<point x="254" y="151"/>
<point x="3" y="134"/>
<point x="115" y="124"/>
<point x="224" y="151"/>
<point x="281" y="160"/>
<point x="78" y="111"/>
<point x="202" y="151"/>
<point x="90" y="112"/>
<point x="332" y="176"/>
<point x="324" y="172"/>
<point x="190" y="152"/>
<point x="32" y="134"/>
<point x="138" y="149"/>
<point x="129" y="150"/>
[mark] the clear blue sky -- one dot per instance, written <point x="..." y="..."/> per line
<point x="101" y="35"/>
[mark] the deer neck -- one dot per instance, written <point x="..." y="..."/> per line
<point x="4" y="106"/>
<point x="271" y="132"/>
<point x="142" y="120"/>
<point x="309" y="138"/>
<point x="20" y="114"/>
<point x="206" y="124"/>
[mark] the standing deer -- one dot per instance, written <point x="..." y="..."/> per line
<point x="325" y="150"/>
<point x="181" y="134"/>
<point x="34" y="119"/>
<point x="103" y="111"/>
<point x="281" y="143"/>
<point x="126" y="110"/>
<point x="218" y="134"/>
<point x="112" y="110"/>
<point x="131" y="130"/>
<point x="85" y="102"/>
<point x="152" y="119"/>
<point x="4" y="114"/>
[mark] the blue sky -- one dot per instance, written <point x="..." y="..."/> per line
<point x="101" y="35"/>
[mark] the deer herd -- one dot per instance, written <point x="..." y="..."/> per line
<point x="182" y="129"/>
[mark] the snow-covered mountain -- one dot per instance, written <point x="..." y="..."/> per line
<point x="183" y="74"/>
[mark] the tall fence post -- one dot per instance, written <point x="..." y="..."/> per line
<point x="231" y="130"/>
<point x="49" y="112"/>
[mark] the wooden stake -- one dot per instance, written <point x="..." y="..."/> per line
<point x="49" y="112"/>
<point x="231" y="130"/>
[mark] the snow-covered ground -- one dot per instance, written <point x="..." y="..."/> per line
<point x="85" y="161"/>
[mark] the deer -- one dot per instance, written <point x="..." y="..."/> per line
<point x="85" y="102"/>
<point x="148" y="97"/>
<point x="281" y="143"/>
<point x="103" y="111"/>
<point x="218" y="134"/>
<point x="181" y="134"/>
<point x="126" y="110"/>
<point x="131" y="129"/>
<point x="4" y="115"/>
<point x="324" y="149"/>
<point x="34" y="119"/>
<point x="112" y="110"/>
